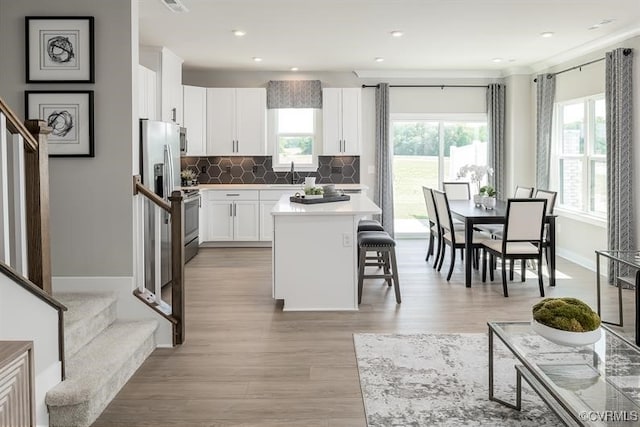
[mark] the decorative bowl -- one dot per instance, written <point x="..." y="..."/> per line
<point x="568" y="338"/>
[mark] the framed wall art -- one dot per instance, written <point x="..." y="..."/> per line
<point x="70" y="116"/>
<point x="60" y="49"/>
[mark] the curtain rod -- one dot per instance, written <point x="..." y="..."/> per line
<point x="625" y="52"/>
<point x="440" y="86"/>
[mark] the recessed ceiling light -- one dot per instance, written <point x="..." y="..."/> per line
<point x="379" y="59"/>
<point x="294" y="68"/>
<point x="496" y="60"/>
<point x="257" y="59"/>
<point x="175" y="6"/>
<point x="594" y="27"/>
<point x="239" y="33"/>
<point x="397" y="33"/>
<point x="601" y="23"/>
<point x="547" y="34"/>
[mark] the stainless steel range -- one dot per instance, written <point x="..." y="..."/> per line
<point x="191" y="223"/>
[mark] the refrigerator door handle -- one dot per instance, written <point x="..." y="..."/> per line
<point x="169" y="161"/>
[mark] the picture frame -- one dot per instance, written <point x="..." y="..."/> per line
<point x="60" y="49"/>
<point x="70" y="116"/>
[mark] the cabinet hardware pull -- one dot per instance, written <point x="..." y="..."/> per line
<point x="344" y="145"/>
<point x="174" y="114"/>
<point x="233" y="194"/>
<point x="231" y="210"/>
<point x="234" y="209"/>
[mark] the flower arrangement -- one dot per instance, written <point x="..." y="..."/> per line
<point x="188" y="176"/>
<point x="475" y="173"/>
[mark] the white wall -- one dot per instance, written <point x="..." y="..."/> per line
<point x="519" y="142"/>
<point x="578" y="239"/>
<point x="24" y="317"/>
<point x="90" y="198"/>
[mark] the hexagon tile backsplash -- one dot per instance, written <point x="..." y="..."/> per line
<point x="259" y="170"/>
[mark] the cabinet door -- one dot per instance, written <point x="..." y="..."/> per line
<point x="171" y="87"/>
<point x="251" y="111"/>
<point x="195" y="119"/>
<point x="146" y="93"/>
<point x="351" y="120"/>
<point x="331" y="121"/>
<point x="245" y="221"/>
<point x="221" y="134"/>
<point x="266" y="220"/>
<point x="219" y="221"/>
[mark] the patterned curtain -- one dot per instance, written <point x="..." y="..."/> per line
<point x="495" y="121"/>
<point x="294" y="94"/>
<point x="620" y="191"/>
<point x="384" y="159"/>
<point x="546" y="94"/>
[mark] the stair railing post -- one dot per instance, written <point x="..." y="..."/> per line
<point x="177" y="265"/>
<point x="37" y="201"/>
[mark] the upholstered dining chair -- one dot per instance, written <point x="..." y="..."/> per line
<point x="522" y="238"/>
<point x="457" y="190"/>
<point x="551" y="203"/>
<point x="449" y="235"/>
<point x="433" y="224"/>
<point x="523" y="192"/>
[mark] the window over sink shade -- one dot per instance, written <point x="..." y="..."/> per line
<point x="293" y="120"/>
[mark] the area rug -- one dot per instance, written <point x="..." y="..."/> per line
<point x="440" y="380"/>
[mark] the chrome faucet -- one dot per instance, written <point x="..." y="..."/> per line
<point x="293" y="173"/>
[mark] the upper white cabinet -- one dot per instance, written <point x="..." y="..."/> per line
<point x="341" y="121"/>
<point x="146" y="93"/>
<point x="195" y="120"/>
<point x="168" y="68"/>
<point x="236" y="121"/>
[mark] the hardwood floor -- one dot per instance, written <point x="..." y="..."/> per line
<point x="247" y="363"/>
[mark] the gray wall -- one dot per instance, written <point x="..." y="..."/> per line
<point x="91" y="201"/>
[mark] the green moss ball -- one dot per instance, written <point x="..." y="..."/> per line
<point x="567" y="314"/>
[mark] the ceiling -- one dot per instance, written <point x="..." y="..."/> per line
<point x="347" y="35"/>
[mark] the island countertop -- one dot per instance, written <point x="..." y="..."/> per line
<point x="358" y="205"/>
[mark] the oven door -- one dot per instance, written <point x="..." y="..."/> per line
<point x="191" y="221"/>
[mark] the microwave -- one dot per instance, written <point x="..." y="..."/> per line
<point x="183" y="141"/>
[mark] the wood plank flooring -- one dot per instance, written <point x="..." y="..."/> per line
<point x="246" y="363"/>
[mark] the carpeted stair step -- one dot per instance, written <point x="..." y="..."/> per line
<point x="87" y="315"/>
<point x="98" y="371"/>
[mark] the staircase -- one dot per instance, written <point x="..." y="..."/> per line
<point x="101" y="355"/>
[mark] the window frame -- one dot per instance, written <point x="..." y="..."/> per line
<point x="273" y="135"/>
<point x="587" y="158"/>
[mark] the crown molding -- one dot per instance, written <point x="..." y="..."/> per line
<point x="584" y="49"/>
<point x="428" y="74"/>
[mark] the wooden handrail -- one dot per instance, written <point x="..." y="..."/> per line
<point x="16" y="126"/>
<point x="157" y="200"/>
<point x="45" y="297"/>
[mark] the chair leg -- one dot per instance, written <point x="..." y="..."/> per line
<point x="540" y="284"/>
<point x="430" y="248"/>
<point x="492" y="266"/>
<point x="385" y="267"/>
<point x="461" y="254"/>
<point x="504" y="279"/>
<point x="476" y="258"/>
<point x="523" y="270"/>
<point x="511" y="262"/>
<point x="441" y="255"/>
<point x="484" y="266"/>
<point x="394" y="268"/>
<point x="362" y="261"/>
<point x="453" y="262"/>
<point x="437" y="258"/>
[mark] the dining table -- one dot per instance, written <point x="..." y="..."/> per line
<point x="472" y="215"/>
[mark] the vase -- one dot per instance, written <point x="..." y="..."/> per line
<point x="477" y="199"/>
<point x="489" y="203"/>
<point x="568" y="338"/>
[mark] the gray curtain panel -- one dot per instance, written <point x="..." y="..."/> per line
<point x="495" y="122"/>
<point x="619" y="102"/>
<point x="294" y="94"/>
<point x="383" y="196"/>
<point x="546" y="94"/>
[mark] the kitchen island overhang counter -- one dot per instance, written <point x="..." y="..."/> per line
<point x="315" y="253"/>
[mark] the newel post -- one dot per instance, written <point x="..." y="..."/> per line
<point x="37" y="201"/>
<point x="177" y="265"/>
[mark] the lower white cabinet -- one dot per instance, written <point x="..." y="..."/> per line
<point x="268" y="199"/>
<point x="231" y="216"/>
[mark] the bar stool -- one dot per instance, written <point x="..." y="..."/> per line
<point x="381" y="243"/>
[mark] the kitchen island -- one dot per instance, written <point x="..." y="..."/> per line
<point x="315" y="253"/>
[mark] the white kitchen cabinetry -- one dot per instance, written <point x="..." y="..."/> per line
<point x="146" y="93"/>
<point x="341" y="121"/>
<point x="231" y="215"/>
<point x="195" y="120"/>
<point x="236" y="121"/>
<point x="268" y="199"/>
<point x="171" y="87"/>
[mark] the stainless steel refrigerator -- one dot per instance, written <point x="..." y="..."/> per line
<point x="160" y="170"/>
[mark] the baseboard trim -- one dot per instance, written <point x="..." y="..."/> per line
<point x="129" y="307"/>
<point x="236" y="244"/>
<point x="589" y="264"/>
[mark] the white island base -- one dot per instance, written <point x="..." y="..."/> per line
<point x="315" y="253"/>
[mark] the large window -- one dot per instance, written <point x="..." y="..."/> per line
<point x="295" y="136"/>
<point x="427" y="151"/>
<point x="580" y="152"/>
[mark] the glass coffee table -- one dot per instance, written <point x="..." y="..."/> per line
<point x="594" y="385"/>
